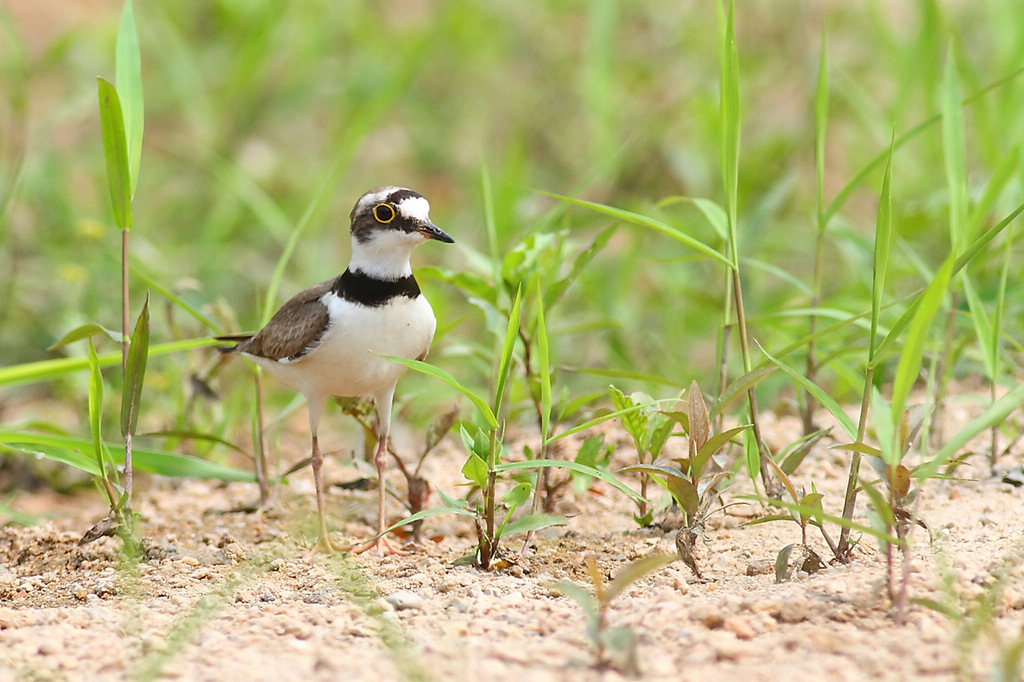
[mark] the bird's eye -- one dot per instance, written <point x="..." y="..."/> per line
<point x="384" y="213"/>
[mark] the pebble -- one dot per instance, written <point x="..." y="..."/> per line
<point x="739" y="626"/>
<point x="794" y="610"/>
<point x="404" y="600"/>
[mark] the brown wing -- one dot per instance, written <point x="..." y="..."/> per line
<point x="295" y="329"/>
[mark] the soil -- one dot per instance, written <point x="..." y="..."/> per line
<point x="241" y="596"/>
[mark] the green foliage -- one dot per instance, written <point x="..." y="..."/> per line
<point x="614" y="647"/>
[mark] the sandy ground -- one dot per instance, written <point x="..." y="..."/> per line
<point x="241" y="596"/>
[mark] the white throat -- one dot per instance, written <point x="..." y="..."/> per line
<point x="386" y="255"/>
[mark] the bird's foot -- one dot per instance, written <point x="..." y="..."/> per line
<point x="382" y="545"/>
<point x="325" y="545"/>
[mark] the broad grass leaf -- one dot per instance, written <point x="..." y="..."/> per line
<point x="115" y="150"/>
<point x="150" y="460"/>
<point x="519" y="494"/>
<point x="697" y="414"/>
<point x="686" y="495"/>
<point x="713" y="445"/>
<point x="475" y="471"/>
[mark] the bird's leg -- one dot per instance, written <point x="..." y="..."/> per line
<point x="380" y="541"/>
<point x="323" y="543"/>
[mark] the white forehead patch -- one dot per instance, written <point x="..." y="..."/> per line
<point x="415" y="208"/>
<point x="374" y="197"/>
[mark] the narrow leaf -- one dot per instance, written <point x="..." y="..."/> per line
<point x="438" y="373"/>
<point x="820" y="123"/>
<point x="634" y="571"/>
<point x="953" y="154"/>
<point x="995" y="414"/>
<point x="826" y="401"/>
<point x="507" y="348"/>
<point x="644" y="221"/>
<point x="145" y="459"/>
<point x="573" y="466"/>
<point x="128" y="77"/>
<point x="883" y="246"/>
<point x="544" y="362"/>
<point x="96" y="409"/>
<point x="135" y="372"/>
<point x="909" y="367"/>
<point x="84" y="332"/>
<point x="532" y="522"/>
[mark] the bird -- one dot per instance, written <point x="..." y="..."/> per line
<point x="330" y="339"/>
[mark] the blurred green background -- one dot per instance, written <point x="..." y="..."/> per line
<point x="250" y="103"/>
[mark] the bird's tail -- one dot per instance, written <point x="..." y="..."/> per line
<point x="238" y="339"/>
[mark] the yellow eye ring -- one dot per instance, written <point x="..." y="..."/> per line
<point x="384" y="213"/>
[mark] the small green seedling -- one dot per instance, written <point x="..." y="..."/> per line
<point x="695" y="481"/>
<point x="614" y="647"/>
<point x="650" y="430"/>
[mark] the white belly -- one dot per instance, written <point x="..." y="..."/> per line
<point x="347" y="362"/>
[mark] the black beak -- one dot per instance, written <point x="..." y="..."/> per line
<point x="432" y="231"/>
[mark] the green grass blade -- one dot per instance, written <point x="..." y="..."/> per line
<point x="954" y="155"/>
<point x="128" y="79"/>
<point x="135" y="372"/>
<point x="179" y="302"/>
<point x="46" y="370"/>
<point x="490" y="224"/>
<point x="84" y="332"/>
<point x="531" y="522"/>
<point x="995" y="414"/>
<point x="573" y="466"/>
<point x="820" y="126"/>
<point x="154" y="461"/>
<point x="544" y="362"/>
<point x="644" y="221"/>
<point x="983" y="326"/>
<point x="847" y="191"/>
<point x="507" y="350"/>
<point x="115" y="150"/>
<point x="438" y="373"/>
<point x="1002" y="174"/>
<point x="270" y="304"/>
<point x="883" y="247"/>
<point x="635" y="570"/>
<point x="979" y="244"/>
<point x="909" y="367"/>
<point x="96" y="410"/>
<point x="739" y="386"/>
<point x="826" y="401"/>
<point x="729" y="121"/>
